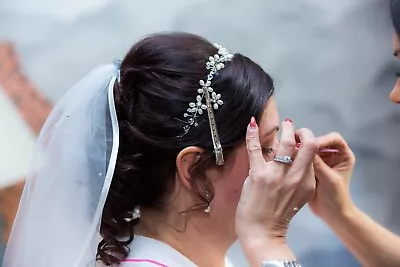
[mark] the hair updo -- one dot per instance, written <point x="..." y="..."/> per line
<point x="395" y="15"/>
<point x="159" y="78"/>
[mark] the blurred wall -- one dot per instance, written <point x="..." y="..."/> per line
<point x="331" y="62"/>
<point x="23" y="110"/>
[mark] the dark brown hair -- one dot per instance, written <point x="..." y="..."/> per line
<point x="159" y="78"/>
<point x="395" y="15"/>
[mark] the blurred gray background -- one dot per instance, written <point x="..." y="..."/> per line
<point x="331" y="62"/>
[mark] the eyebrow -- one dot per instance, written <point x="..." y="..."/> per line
<point x="273" y="130"/>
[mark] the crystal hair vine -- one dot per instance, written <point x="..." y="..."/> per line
<point x="209" y="100"/>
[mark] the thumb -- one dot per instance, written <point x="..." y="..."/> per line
<point x="321" y="169"/>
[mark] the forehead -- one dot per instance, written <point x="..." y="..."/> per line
<point x="270" y="117"/>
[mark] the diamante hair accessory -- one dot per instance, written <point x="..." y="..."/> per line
<point x="209" y="100"/>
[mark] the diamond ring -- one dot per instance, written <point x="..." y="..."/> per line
<point x="283" y="159"/>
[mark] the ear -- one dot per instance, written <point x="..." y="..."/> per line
<point x="185" y="161"/>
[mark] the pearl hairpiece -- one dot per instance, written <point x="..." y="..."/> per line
<point x="134" y="215"/>
<point x="117" y="63"/>
<point x="208" y="100"/>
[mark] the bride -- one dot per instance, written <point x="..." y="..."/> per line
<point x="147" y="163"/>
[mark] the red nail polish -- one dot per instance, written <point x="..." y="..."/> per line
<point x="289" y="120"/>
<point x="253" y="122"/>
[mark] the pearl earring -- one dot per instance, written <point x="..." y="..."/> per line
<point x="207" y="209"/>
<point x="207" y="197"/>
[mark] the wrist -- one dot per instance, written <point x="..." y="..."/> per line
<point x="266" y="248"/>
<point x="272" y="232"/>
<point x="342" y="216"/>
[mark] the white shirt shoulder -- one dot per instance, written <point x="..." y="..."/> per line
<point x="148" y="252"/>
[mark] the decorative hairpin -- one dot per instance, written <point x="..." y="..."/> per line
<point x="208" y="100"/>
<point x="117" y="63"/>
<point x="135" y="215"/>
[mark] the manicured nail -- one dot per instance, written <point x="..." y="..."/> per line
<point x="289" y="120"/>
<point x="253" y="123"/>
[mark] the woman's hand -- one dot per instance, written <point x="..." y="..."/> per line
<point x="369" y="242"/>
<point x="273" y="193"/>
<point x="333" y="172"/>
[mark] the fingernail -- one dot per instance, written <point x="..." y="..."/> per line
<point x="253" y="123"/>
<point x="289" y="120"/>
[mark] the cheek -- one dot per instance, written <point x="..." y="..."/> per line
<point x="395" y="94"/>
<point x="229" y="187"/>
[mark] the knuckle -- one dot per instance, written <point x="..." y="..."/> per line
<point x="252" y="138"/>
<point x="336" y="135"/>
<point x="257" y="177"/>
<point x="306" y="187"/>
<point x="338" y="140"/>
<point x="289" y="143"/>
<point x="297" y="182"/>
<point x="311" y="145"/>
<point x="273" y="182"/>
<point x="307" y="131"/>
<point x="254" y="148"/>
<point x="352" y="158"/>
<point x="304" y="130"/>
<point x="253" y="144"/>
<point x="264" y="179"/>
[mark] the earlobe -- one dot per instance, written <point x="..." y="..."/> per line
<point x="185" y="161"/>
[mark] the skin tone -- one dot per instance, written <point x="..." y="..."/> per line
<point x="253" y="198"/>
<point x="395" y="94"/>
<point x="273" y="193"/>
<point x="256" y="198"/>
<point x="372" y="244"/>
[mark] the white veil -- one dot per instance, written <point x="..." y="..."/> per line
<point x="58" y="220"/>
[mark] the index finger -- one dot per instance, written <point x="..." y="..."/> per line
<point x="332" y="140"/>
<point x="253" y="145"/>
<point x="307" y="151"/>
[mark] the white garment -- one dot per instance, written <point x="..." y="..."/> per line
<point x="148" y="252"/>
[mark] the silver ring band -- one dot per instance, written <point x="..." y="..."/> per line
<point x="283" y="159"/>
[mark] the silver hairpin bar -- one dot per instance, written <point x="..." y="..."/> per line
<point x="209" y="100"/>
